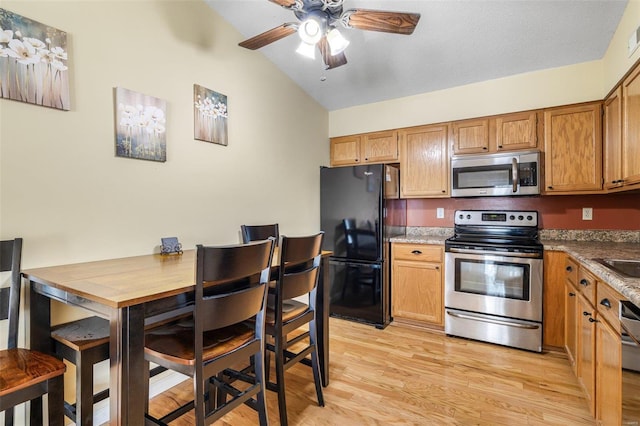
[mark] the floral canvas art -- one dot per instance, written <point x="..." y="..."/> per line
<point x="210" y="115"/>
<point x="140" y="126"/>
<point x="33" y="62"/>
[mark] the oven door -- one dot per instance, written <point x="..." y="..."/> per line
<point x="495" y="285"/>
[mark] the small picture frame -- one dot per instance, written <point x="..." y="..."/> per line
<point x="170" y="245"/>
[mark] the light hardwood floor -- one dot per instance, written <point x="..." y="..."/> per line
<point x="403" y="375"/>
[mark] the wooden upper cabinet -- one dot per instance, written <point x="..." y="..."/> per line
<point x="424" y="161"/>
<point x="612" y="142"/>
<point x="631" y="132"/>
<point x="573" y="149"/>
<point x="471" y="136"/>
<point x="345" y="150"/>
<point x="380" y="147"/>
<point x="516" y="131"/>
<point x="368" y="148"/>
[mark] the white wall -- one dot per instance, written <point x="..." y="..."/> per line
<point x="559" y="86"/>
<point x="64" y="191"/>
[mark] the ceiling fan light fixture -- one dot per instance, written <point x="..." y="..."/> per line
<point x="310" y="31"/>
<point x="307" y="50"/>
<point x="337" y="43"/>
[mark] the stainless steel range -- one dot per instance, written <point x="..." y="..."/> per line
<point x="493" y="278"/>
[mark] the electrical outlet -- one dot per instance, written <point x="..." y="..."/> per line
<point x="440" y="213"/>
<point x="587" y="213"/>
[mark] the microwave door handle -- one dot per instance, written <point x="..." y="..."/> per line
<point x="514" y="173"/>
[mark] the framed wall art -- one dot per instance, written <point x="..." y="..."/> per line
<point x="210" y="115"/>
<point x="33" y="62"/>
<point x="140" y="126"/>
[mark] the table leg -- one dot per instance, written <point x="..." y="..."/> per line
<point x="126" y="390"/>
<point x="40" y="338"/>
<point x="322" y="305"/>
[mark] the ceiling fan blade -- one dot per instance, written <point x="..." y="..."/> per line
<point x="380" y="20"/>
<point x="269" y="36"/>
<point x="331" y="62"/>
<point x="284" y="3"/>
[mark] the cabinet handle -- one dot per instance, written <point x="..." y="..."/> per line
<point x="605" y="303"/>
<point x="584" y="282"/>
<point x="586" y="314"/>
<point x="500" y="146"/>
<point x="437" y="268"/>
<point x="416" y="252"/>
<point x="366" y="159"/>
<point x="569" y="268"/>
<point x="357" y="160"/>
<point x="444" y="191"/>
<point x="593" y="320"/>
<point x="549" y="187"/>
<point x="572" y="294"/>
<point x="485" y="148"/>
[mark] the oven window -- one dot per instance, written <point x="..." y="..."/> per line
<point x="498" y="279"/>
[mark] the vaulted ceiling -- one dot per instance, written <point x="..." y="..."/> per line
<point x="456" y="42"/>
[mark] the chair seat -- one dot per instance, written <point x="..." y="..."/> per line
<point x="82" y="334"/>
<point x="22" y="368"/>
<point x="290" y="309"/>
<point x="174" y="342"/>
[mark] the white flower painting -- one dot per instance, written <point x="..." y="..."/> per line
<point x="33" y="62"/>
<point x="210" y="115"/>
<point x="140" y="126"/>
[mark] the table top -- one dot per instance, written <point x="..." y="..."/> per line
<point x="126" y="281"/>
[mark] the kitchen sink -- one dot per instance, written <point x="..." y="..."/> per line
<point x="626" y="267"/>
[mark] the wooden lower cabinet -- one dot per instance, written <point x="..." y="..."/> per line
<point x="416" y="284"/>
<point x="593" y="342"/>
<point x="608" y="374"/>
<point x="587" y="350"/>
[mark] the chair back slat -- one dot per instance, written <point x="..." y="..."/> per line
<point x="10" y="260"/>
<point x="232" y="307"/>
<point x="229" y="263"/>
<point x="299" y="283"/>
<point x="259" y="232"/>
<point x="301" y="249"/>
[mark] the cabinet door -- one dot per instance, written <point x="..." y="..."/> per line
<point x="416" y="292"/>
<point x="380" y="147"/>
<point x="613" y="140"/>
<point x="571" y="325"/>
<point x="573" y="149"/>
<point x="471" y="136"/>
<point x="586" y="351"/>
<point x="345" y="150"/>
<point x="608" y="374"/>
<point x="631" y="134"/>
<point x="424" y="162"/>
<point x="516" y="131"/>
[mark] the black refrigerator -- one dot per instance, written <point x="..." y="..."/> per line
<point x="360" y="210"/>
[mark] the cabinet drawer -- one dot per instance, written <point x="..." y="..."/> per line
<point x="587" y="285"/>
<point x="571" y="270"/>
<point x="420" y="252"/>
<point x="608" y="305"/>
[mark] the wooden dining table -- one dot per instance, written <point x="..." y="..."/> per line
<point x="131" y="292"/>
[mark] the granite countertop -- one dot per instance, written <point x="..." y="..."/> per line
<point x="585" y="251"/>
<point x="420" y="239"/>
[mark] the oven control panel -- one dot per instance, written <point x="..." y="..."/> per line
<point x="496" y="217"/>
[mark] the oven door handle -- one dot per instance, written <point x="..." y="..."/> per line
<point x="496" y="253"/>
<point x="493" y="321"/>
<point x="514" y="174"/>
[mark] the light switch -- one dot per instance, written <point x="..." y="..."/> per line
<point x="587" y="213"/>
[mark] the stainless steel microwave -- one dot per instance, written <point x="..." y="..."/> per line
<point x="502" y="174"/>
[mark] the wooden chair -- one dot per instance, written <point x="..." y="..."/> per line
<point x="259" y="232"/>
<point x="298" y="276"/>
<point x="231" y="288"/>
<point x="25" y="375"/>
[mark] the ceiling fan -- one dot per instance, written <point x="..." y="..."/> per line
<point x="318" y="24"/>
